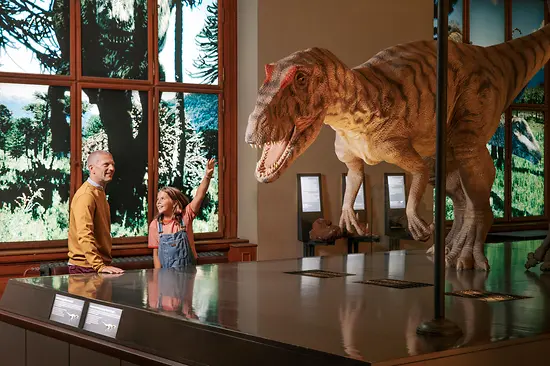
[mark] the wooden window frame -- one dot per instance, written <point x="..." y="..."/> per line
<point x="226" y="89"/>
<point x="509" y="223"/>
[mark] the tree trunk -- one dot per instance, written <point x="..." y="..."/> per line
<point x="58" y="125"/>
<point x="130" y="155"/>
<point x="180" y="104"/>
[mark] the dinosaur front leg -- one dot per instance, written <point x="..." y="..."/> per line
<point x="353" y="183"/>
<point x="404" y="156"/>
<point x="477" y="173"/>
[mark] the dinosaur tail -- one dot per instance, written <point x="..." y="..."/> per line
<point x="522" y="58"/>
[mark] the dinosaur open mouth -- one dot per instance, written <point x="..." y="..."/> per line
<point x="274" y="156"/>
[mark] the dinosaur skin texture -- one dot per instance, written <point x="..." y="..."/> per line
<point x="384" y="110"/>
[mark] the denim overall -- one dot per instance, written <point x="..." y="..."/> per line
<point x="174" y="249"/>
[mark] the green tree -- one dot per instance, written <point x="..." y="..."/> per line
<point x="16" y="138"/>
<point x="5" y="124"/>
<point x="207" y="41"/>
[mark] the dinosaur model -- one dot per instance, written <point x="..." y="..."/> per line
<point x="384" y="110"/>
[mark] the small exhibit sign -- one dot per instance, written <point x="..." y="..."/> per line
<point x="103" y="320"/>
<point x="67" y="310"/>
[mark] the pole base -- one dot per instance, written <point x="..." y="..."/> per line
<point x="439" y="328"/>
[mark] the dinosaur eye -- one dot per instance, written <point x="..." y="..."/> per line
<point x="301" y="79"/>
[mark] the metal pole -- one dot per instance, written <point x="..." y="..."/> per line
<point x="440" y="160"/>
<point x="439" y="326"/>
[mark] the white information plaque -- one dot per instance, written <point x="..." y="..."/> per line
<point x="67" y="310"/>
<point x="102" y="320"/>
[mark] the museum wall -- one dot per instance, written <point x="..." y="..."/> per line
<point x="354" y="30"/>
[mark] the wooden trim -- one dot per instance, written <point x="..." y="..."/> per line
<point x="78" y="166"/>
<point x="112" y="86"/>
<point x="156" y="147"/>
<point x="33" y="244"/>
<point x="153" y="50"/>
<point x="127" y="240"/>
<point x="18" y="79"/>
<point x="189" y="88"/>
<point x="221" y="42"/>
<point x="77" y="40"/>
<point x="530" y="107"/>
<point x="45" y="78"/>
<point x="72" y="35"/>
<point x="114" y="81"/>
<point x="508" y="164"/>
<point x="221" y="167"/>
<point x="151" y="149"/>
<point x="546" y="159"/>
<point x="151" y="12"/>
<point x="230" y="119"/>
<point x="180" y="88"/>
<point x="130" y="249"/>
<point x="507" y="20"/>
<point x="74" y="159"/>
<point x="466" y="21"/>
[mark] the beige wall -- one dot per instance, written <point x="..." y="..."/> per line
<point x="354" y="30"/>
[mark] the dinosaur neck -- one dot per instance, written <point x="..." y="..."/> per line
<point x="354" y="104"/>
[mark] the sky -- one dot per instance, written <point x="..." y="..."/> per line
<point x="193" y="21"/>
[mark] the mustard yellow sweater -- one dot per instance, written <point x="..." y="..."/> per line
<point x="90" y="228"/>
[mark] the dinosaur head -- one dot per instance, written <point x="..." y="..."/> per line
<point x="524" y="143"/>
<point x="289" y="111"/>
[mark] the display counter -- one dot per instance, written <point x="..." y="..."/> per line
<point x="341" y="310"/>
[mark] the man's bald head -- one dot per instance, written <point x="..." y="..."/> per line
<point x="95" y="156"/>
<point x="101" y="166"/>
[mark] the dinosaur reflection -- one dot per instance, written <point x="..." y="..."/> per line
<point x="348" y="319"/>
<point x="541" y="255"/>
<point x="473" y="316"/>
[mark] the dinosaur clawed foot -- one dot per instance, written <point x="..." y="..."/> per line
<point x="431" y="250"/>
<point x="418" y="227"/>
<point x="349" y="222"/>
<point x="469" y="259"/>
<point x="545" y="266"/>
<point x="541" y="255"/>
<point x="465" y="244"/>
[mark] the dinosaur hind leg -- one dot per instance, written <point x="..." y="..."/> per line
<point x="456" y="193"/>
<point x="477" y="173"/>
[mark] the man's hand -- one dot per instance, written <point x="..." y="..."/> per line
<point x="110" y="269"/>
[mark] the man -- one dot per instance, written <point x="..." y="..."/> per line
<point x="90" y="219"/>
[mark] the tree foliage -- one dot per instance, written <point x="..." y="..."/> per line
<point x="207" y="41"/>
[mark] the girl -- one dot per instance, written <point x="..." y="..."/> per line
<point x="171" y="232"/>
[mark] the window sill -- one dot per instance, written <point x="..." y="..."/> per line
<point x="15" y="256"/>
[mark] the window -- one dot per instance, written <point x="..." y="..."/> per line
<point x="517" y="147"/>
<point x="147" y="80"/>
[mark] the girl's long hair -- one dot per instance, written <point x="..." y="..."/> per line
<point x="179" y="199"/>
